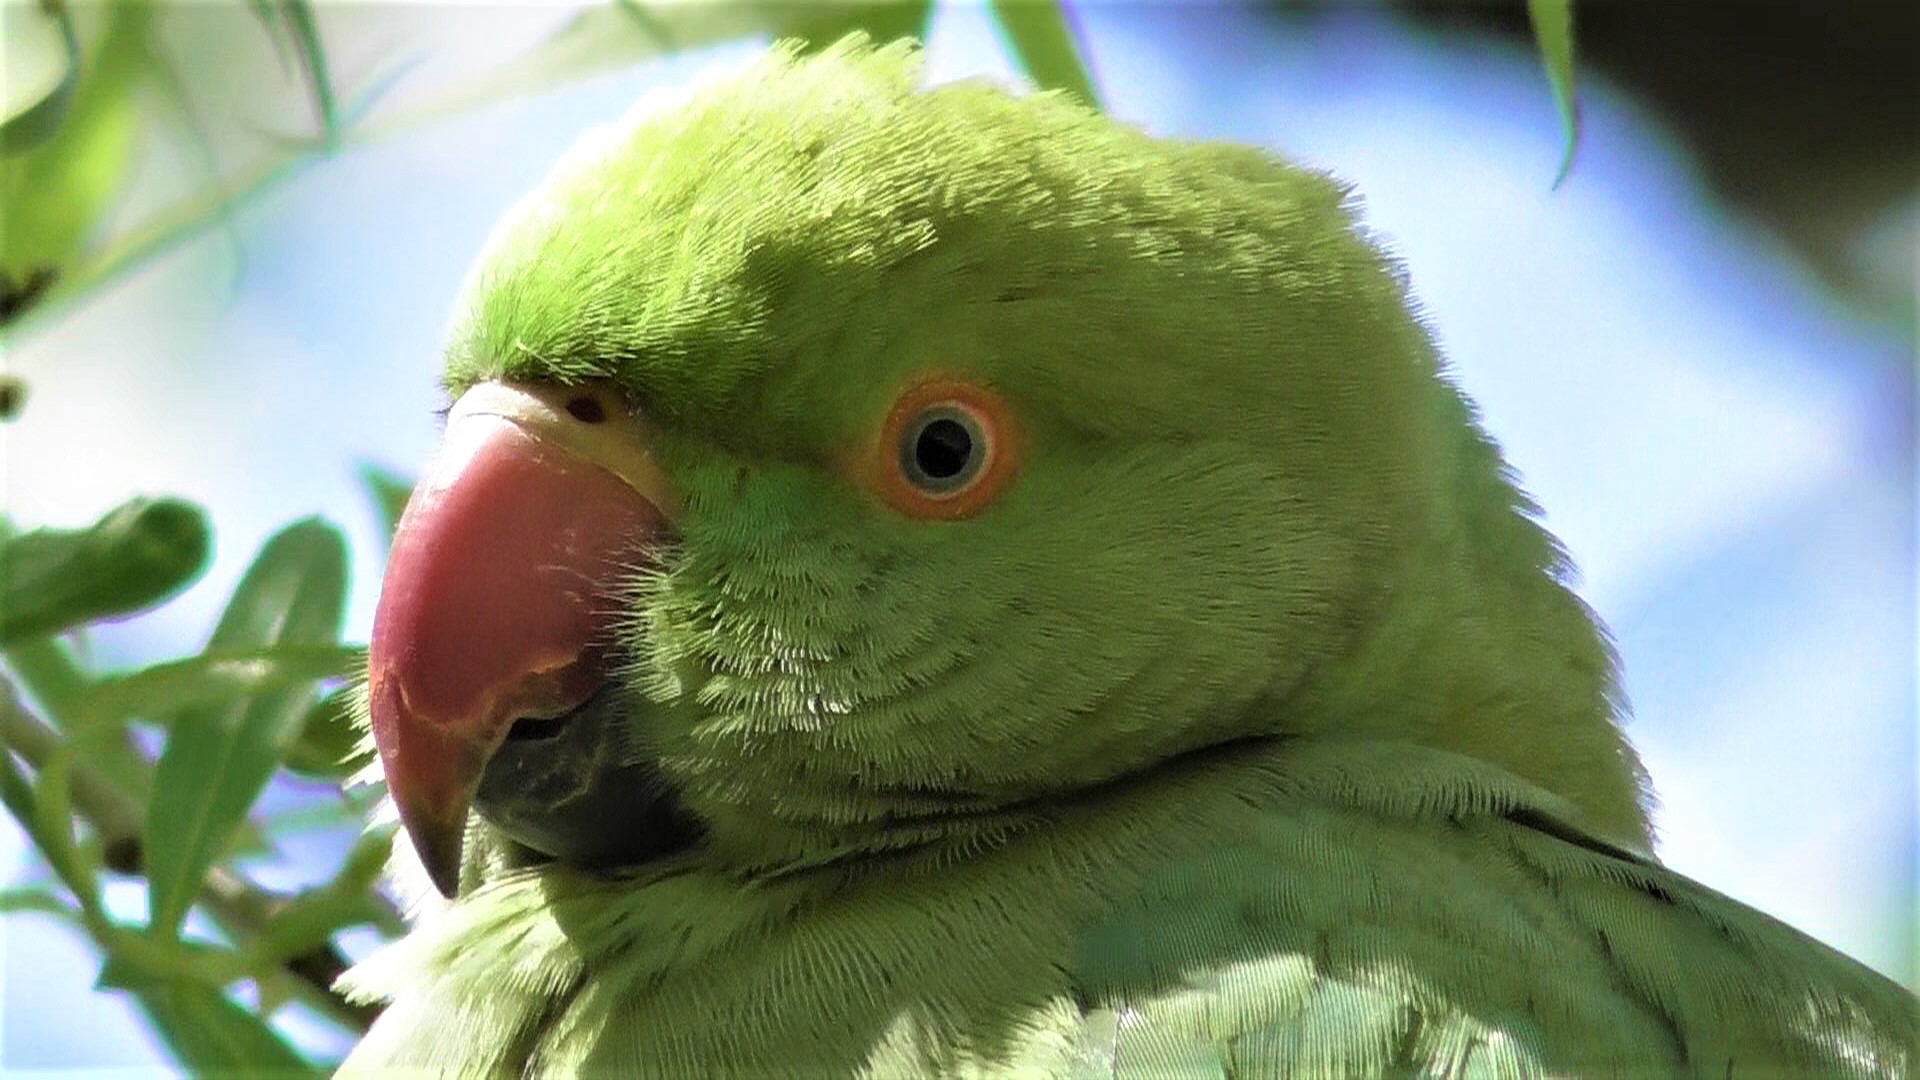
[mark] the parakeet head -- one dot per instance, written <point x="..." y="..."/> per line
<point x="837" y="467"/>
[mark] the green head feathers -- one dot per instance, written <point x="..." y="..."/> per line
<point x="1237" y="496"/>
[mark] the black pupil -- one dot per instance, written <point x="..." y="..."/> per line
<point x="943" y="449"/>
<point x="586" y="410"/>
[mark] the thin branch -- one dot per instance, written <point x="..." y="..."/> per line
<point x="241" y="908"/>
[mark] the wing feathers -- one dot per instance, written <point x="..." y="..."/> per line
<point x="1405" y="909"/>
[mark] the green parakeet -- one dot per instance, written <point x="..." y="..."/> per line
<point x="939" y="582"/>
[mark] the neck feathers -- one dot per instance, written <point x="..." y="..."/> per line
<point x="1478" y="645"/>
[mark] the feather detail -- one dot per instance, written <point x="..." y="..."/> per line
<point x="1294" y="907"/>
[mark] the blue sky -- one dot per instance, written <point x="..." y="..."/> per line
<point x="1726" y="451"/>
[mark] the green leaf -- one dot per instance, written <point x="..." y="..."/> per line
<point x="35" y="898"/>
<point x="217" y="761"/>
<point x="46" y="669"/>
<point x="365" y="860"/>
<point x="206" y="1030"/>
<point x="136" y="960"/>
<point x="55" y="844"/>
<point x="140" y="553"/>
<point x="309" y="921"/>
<point x="39" y="900"/>
<point x="329" y="744"/>
<point x="212" y="1036"/>
<point x="37" y="122"/>
<point x="268" y="12"/>
<point x="1042" y="38"/>
<point x="596" y="40"/>
<point x="349" y="808"/>
<point x="1553" y="29"/>
<point x="53" y="195"/>
<point x="390" y="492"/>
<point x="53" y="818"/>
<point x="48" y="672"/>
<point x="164" y="691"/>
<point x="291" y="23"/>
<point x="629" y="32"/>
<point x="198" y="138"/>
<point x="305" y="29"/>
<point x="185" y="219"/>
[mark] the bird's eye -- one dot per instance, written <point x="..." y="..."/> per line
<point x="942" y="450"/>
<point x="945" y="451"/>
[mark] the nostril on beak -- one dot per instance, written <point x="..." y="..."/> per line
<point x="587" y="410"/>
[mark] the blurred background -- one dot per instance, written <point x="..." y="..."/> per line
<point x="1698" y="350"/>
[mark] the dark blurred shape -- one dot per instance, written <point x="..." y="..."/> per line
<point x="1803" y="116"/>
<point x="17" y="296"/>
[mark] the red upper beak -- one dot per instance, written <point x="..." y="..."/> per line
<point x="500" y="596"/>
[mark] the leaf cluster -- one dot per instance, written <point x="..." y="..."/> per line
<point x="268" y="693"/>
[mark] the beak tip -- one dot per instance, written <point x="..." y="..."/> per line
<point x="439" y="845"/>
<point x="445" y="882"/>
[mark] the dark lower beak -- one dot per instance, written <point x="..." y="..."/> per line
<point x="502" y="589"/>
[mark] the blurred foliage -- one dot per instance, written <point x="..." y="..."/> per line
<point x="273" y="690"/>
<point x="1553" y="29"/>
<point x="65" y="156"/>
<point x="138" y="555"/>
<point x="1802" y="118"/>
<point x="228" y="717"/>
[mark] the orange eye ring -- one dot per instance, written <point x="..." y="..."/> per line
<point x="946" y="451"/>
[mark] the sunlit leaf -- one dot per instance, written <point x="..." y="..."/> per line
<point x="216" y="763"/>
<point x="390" y="492"/>
<point x="1042" y="39"/>
<point x="140" y="553"/>
<point x="166" y="691"/>
<point x="36" y="123"/>
<point x="1553" y="29"/>
<point x="53" y="195"/>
